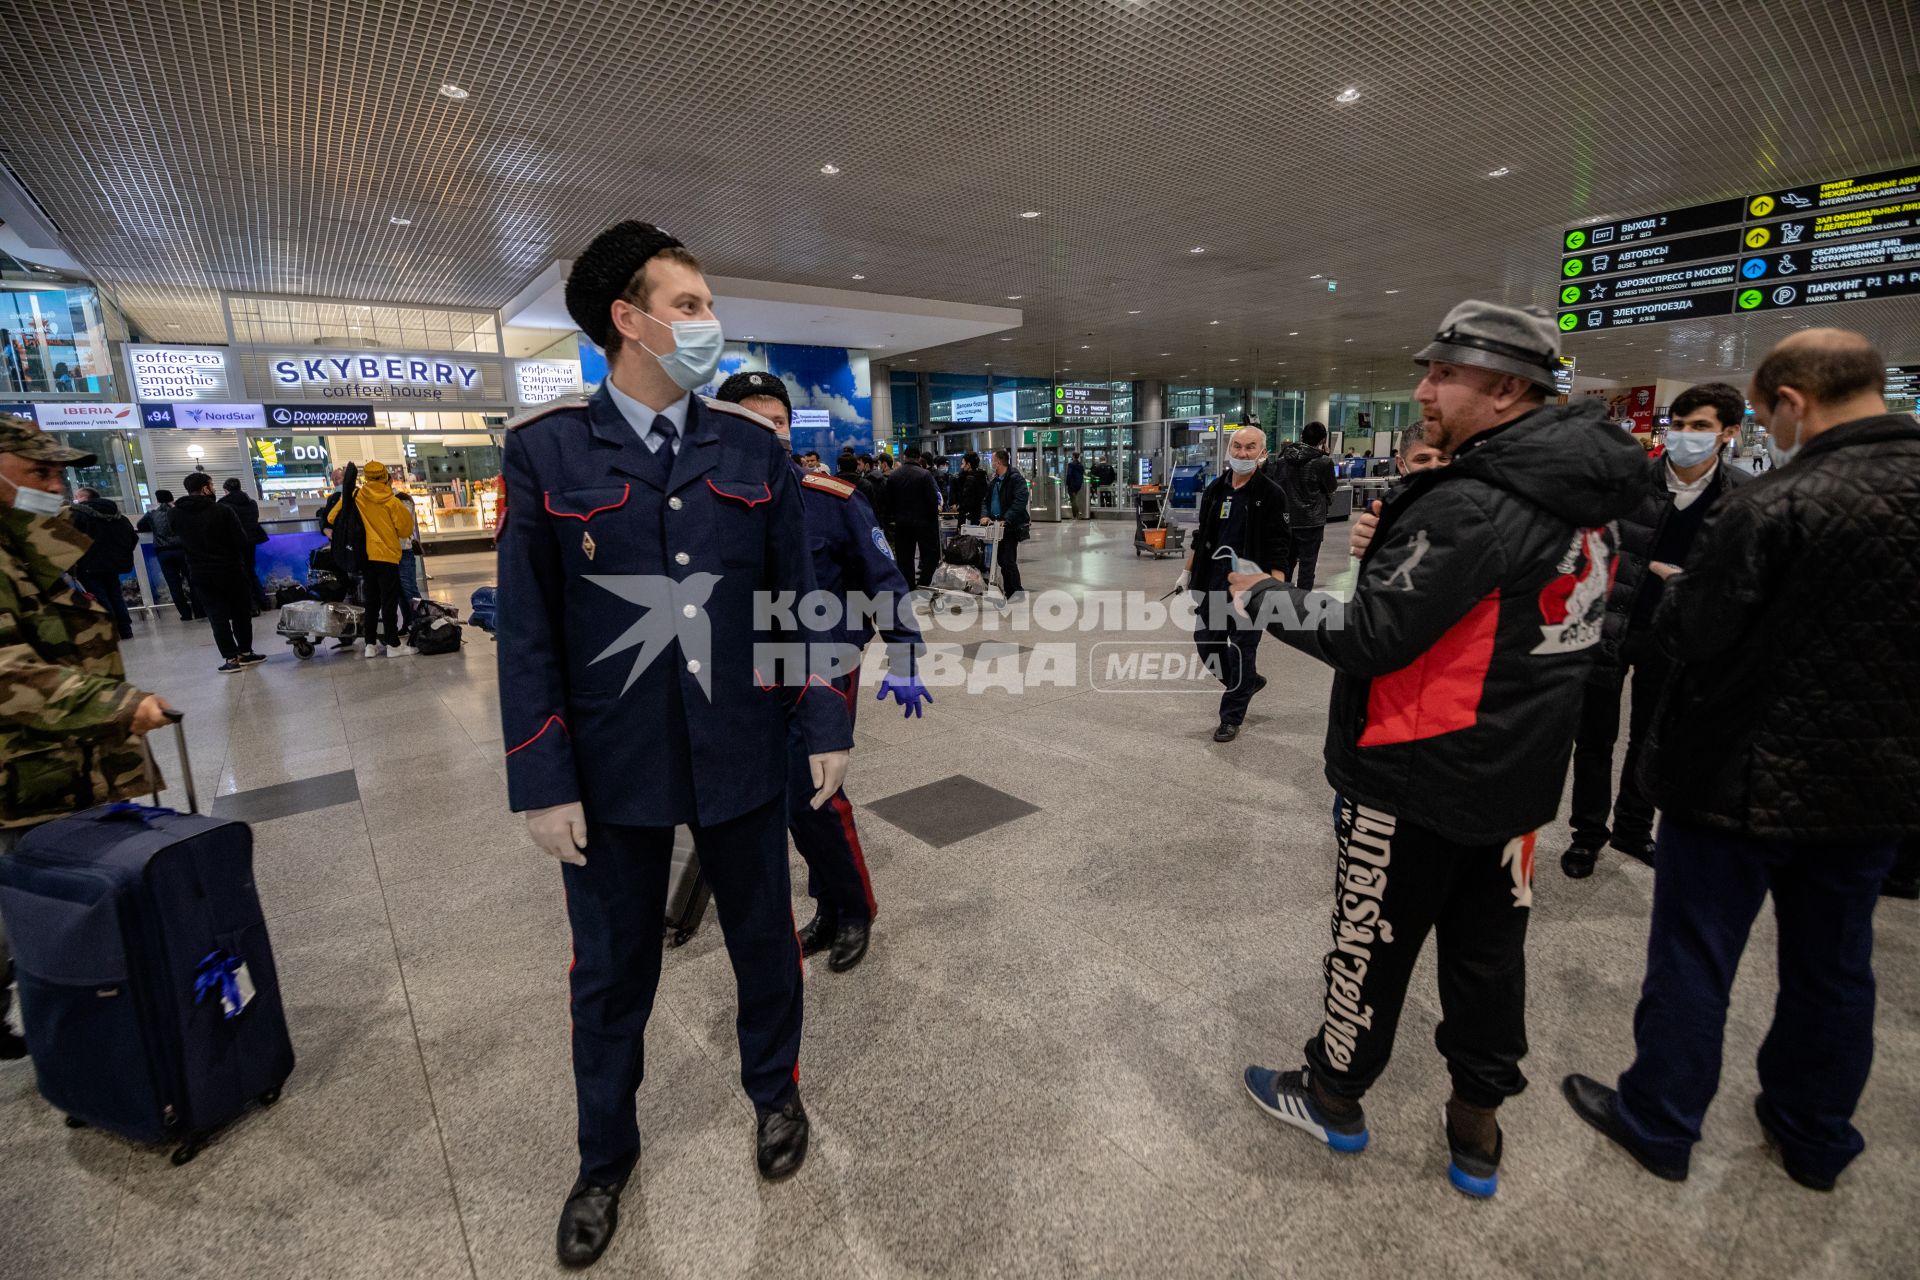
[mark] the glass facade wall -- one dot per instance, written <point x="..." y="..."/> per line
<point x="261" y="321"/>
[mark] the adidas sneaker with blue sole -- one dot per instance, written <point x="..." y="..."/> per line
<point x="1286" y="1097"/>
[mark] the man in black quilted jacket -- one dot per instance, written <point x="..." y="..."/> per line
<point x="1784" y="761"/>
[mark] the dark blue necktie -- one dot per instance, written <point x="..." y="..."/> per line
<point x="666" y="433"/>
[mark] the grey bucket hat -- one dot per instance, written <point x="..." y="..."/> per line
<point x="1522" y="341"/>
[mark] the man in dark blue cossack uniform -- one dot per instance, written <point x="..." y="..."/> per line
<point x="640" y="528"/>
<point x="850" y="554"/>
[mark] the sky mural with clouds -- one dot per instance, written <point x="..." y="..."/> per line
<point x="833" y="380"/>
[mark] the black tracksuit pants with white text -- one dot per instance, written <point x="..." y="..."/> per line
<point x="1394" y="882"/>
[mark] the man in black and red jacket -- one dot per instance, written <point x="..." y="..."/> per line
<point x="1684" y="485"/>
<point x="1458" y="665"/>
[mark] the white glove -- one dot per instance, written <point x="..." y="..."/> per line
<point x="829" y="771"/>
<point x="1185" y="580"/>
<point x="1360" y="537"/>
<point x="561" y="831"/>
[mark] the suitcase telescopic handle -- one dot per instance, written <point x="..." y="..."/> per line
<point x="178" y="720"/>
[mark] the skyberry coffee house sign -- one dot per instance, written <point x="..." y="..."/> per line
<point x="402" y="379"/>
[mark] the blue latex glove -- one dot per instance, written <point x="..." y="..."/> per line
<point x="907" y="691"/>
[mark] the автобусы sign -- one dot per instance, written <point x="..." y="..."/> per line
<point x="383" y="377"/>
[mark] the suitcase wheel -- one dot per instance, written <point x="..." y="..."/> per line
<point x="187" y="1150"/>
<point x="75" y="1122"/>
<point x="681" y="937"/>
<point x="303" y="649"/>
<point x="270" y="1097"/>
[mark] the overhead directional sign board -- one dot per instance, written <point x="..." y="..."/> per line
<point x="1653" y="226"/>
<point x="1903" y="381"/>
<point x="1763" y="251"/>
<point x="1071" y="402"/>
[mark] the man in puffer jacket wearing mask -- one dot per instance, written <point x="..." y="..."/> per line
<point x="1458" y="669"/>
<point x="389" y="528"/>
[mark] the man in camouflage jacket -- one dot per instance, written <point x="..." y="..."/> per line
<point x="68" y="717"/>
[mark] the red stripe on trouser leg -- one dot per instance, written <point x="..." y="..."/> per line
<point x="843" y="807"/>
<point x="801" y="957"/>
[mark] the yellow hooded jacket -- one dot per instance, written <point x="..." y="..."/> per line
<point x="389" y="522"/>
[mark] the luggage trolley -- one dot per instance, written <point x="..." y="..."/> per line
<point x="1152" y="534"/>
<point x="955" y="580"/>
<point x="305" y="623"/>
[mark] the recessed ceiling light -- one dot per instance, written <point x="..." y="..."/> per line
<point x="1166" y="353"/>
<point x="1015" y="297"/>
<point x="1233" y="359"/>
<point x="829" y="169"/>
<point x="858" y="276"/>
<point x="399" y="221"/>
<point x="913" y="359"/>
<point x="1279" y="361"/>
<point x="1199" y="248"/>
<point x="1213" y="322"/>
<point x="173" y="326"/>
<point x="1133" y="313"/>
<point x="1393" y="291"/>
<point x="1348" y="94"/>
<point x="1347" y="339"/>
<point x="1031" y="213"/>
<point x="453" y="91"/>
<point x="1006" y="339"/>
<point x="1293" y="333"/>
<point x="989" y="364"/>
<point x="1086" y="346"/>
<point x="1501" y="172"/>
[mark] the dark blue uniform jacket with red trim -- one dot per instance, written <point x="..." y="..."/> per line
<point x="851" y="554"/>
<point x="1478" y="608"/>
<point x="629" y="677"/>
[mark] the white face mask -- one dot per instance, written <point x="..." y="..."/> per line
<point x="37" y="501"/>
<point x="1691" y="448"/>
<point x="1241" y="466"/>
<point x="696" y="351"/>
<point x="1777" y="455"/>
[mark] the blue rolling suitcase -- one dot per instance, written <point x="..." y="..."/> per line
<point x="147" y="988"/>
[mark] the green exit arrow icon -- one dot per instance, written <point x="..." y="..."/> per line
<point x="1572" y="267"/>
<point x="1576" y="239"/>
<point x="1569" y="322"/>
<point x="1751" y="298"/>
<point x="1570" y="295"/>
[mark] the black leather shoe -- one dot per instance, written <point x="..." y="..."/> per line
<point x="1259" y="683"/>
<point x="817" y="934"/>
<point x="1811" y="1181"/>
<point x="587" y="1223"/>
<point x="1226" y="732"/>
<point x="1638" y="850"/>
<point x="1578" y="861"/>
<point x="849" y="946"/>
<point x="1599" y="1107"/>
<point x="781" y="1145"/>
<point x="12" y="1047"/>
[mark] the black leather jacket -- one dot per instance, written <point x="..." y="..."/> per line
<point x="1639" y="532"/>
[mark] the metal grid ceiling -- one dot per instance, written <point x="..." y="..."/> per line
<point x="185" y="146"/>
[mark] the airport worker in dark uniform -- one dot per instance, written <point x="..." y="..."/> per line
<point x="850" y="554"/>
<point x="641" y="526"/>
